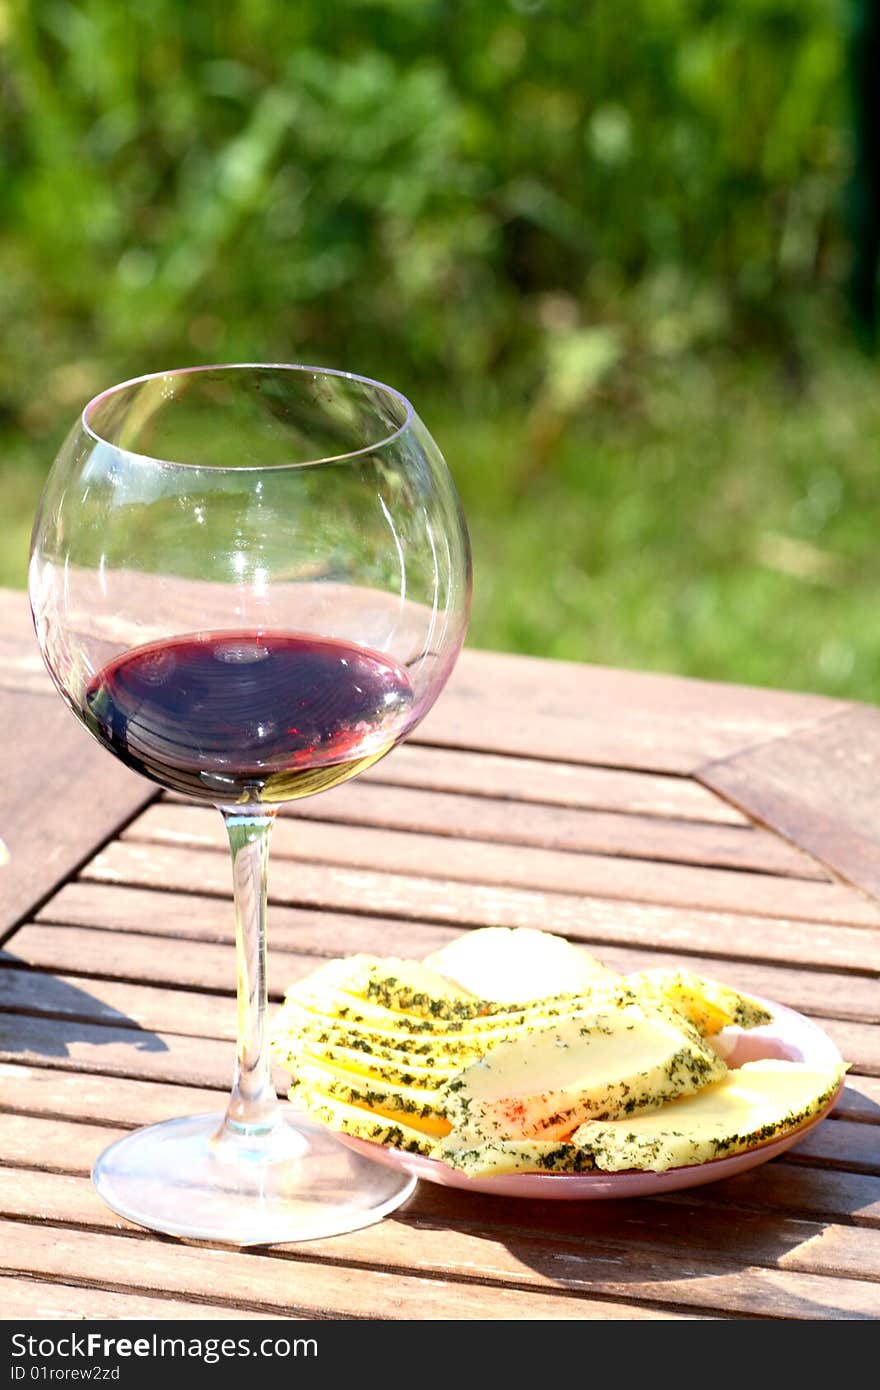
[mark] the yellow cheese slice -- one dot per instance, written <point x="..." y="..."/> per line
<point x="613" y="1061"/>
<point x="292" y="1026"/>
<point x="413" y="989"/>
<point x="404" y="985"/>
<point x="494" y="1157"/>
<point x="350" y="1119"/>
<point x="336" y="1008"/>
<point x="399" y="1072"/>
<point x="709" y="1004"/>
<point x="421" y="1109"/>
<point x="331" y="1000"/>
<point x="760" y="1102"/>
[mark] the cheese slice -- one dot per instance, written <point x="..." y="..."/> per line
<point x="297" y="1030"/>
<point x="415" y="990"/>
<point x="760" y="1102"/>
<point x="494" y="1157"/>
<point x="517" y="965"/>
<point x="613" y="1061"/>
<point x="708" y="1004"/>
<point x="404" y="985"/>
<point x="293" y="1027"/>
<point x="399" y="1072"/>
<point x="350" y="1119"/>
<point x="402" y="1031"/>
<point x="421" y="1109"/>
<point x="344" y="1019"/>
<point x="331" y="1002"/>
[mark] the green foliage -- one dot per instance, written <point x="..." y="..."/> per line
<point x="426" y="188"/>
<point x="562" y="226"/>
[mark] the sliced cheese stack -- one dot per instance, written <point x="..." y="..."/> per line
<point x="419" y="1106"/>
<point x="517" y="1039"/>
<point x="609" y="1061"/>
<point x="369" y="1041"/>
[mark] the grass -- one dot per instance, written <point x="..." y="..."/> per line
<point x="716" y="522"/>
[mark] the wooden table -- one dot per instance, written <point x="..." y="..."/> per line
<point x="658" y="820"/>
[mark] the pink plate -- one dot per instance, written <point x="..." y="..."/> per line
<point x="789" y="1036"/>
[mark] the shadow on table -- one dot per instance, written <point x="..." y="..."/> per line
<point x="44" y="1015"/>
<point x="742" y="1246"/>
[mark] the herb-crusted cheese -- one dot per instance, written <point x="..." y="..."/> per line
<point x="409" y="987"/>
<point x="614" y="1061"/>
<point x="328" y="1001"/>
<point x="492" y="1157"/>
<point x="759" y="1102"/>
<point x="415" y="1106"/>
<point x="708" y="1004"/>
<point x="399" y="1072"/>
<point x="362" y="1124"/>
<point x="293" y="1029"/>
<point x="461" y="1038"/>
<point x="518" y="1039"/>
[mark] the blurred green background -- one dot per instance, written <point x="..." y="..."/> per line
<point x="603" y="246"/>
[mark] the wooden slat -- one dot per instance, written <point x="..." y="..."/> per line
<point x="643" y="1269"/>
<point x="801" y="1190"/>
<point x="860" y="1099"/>
<point x="677" y="1226"/>
<point x="628" y="835"/>
<point x="591" y="714"/>
<point x="114" y="1003"/>
<point x="53" y="1145"/>
<point x="604" y="924"/>
<point x="88" y="962"/>
<point x="817" y="993"/>
<point x="76" y="1148"/>
<point x="427" y="858"/>
<point x="657" y="1230"/>
<point x="300" y="1286"/>
<point x="859" y="1043"/>
<point x="109" y="1100"/>
<point x="854" y="1147"/>
<point x="820" y="788"/>
<point x="26" y="1299"/>
<point x="115" y="1051"/>
<point x="81" y="951"/>
<point x="21" y="666"/>
<point x="192" y="917"/>
<point x="428" y="898"/>
<point x="540" y="781"/>
<point x="60" y="795"/>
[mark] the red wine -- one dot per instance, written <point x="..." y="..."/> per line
<point x="234" y="717"/>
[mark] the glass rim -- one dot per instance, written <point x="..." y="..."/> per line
<point x="303" y="368"/>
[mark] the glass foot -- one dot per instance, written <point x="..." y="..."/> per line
<point x="193" y="1178"/>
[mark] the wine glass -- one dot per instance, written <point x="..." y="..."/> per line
<point x="249" y="583"/>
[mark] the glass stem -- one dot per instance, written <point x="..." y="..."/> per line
<point x="253" y="1106"/>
